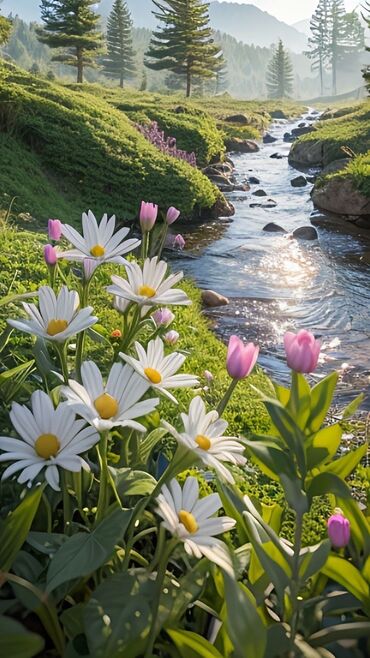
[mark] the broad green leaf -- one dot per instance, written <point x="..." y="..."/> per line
<point x="244" y="625"/>
<point x="149" y="442"/>
<point x="11" y="299"/>
<point x="191" y="645"/>
<point x="282" y="394"/>
<point x="324" y="445"/>
<point x="72" y="620"/>
<point x="295" y="495"/>
<point x="346" y="574"/>
<point x="83" y="553"/>
<point x="300" y="400"/>
<point x="313" y="559"/>
<point x="328" y="483"/>
<point x="289" y="431"/>
<point x="271" y="458"/>
<point x="234" y="506"/>
<point x="352" y="407"/>
<point x="321" y="399"/>
<point x="45" y="542"/>
<point x="277" y="641"/>
<point x="15" y="528"/>
<point x="344" y="631"/>
<point x="133" y="483"/>
<point x="191" y="586"/>
<point x="344" y="466"/>
<point x="16" y="642"/>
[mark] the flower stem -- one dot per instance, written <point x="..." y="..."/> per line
<point x="102" y="449"/>
<point x="161" y="574"/>
<point x="62" y="354"/>
<point x="295" y="583"/>
<point x="81" y="335"/>
<point x="162" y="240"/>
<point x="67" y="504"/>
<point x="225" y="400"/>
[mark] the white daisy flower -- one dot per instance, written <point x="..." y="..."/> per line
<point x="116" y="403"/>
<point x="159" y="370"/>
<point x="204" y="435"/>
<point x="98" y="242"/>
<point x="56" y="318"/>
<point x="192" y="520"/>
<point x="49" y="438"/>
<point x="149" y="286"/>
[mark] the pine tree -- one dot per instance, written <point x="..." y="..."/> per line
<point x="346" y="37"/>
<point x="5" y="28"/>
<point x="318" y="42"/>
<point x="73" y="27"/>
<point x="184" y="42"/>
<point x="279" y="79"/>
<point x="366" y="70"/>
<point x="119" y="61"/>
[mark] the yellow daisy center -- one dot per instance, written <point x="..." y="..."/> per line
<point x="153" y="375"/>
<point x="203" y="442"/>
<point x="56" y="327"/>
<point x="47" y="445"/>
<point x="146" y="291"/>
<point x="97" y="251"/>
<point x="188" y="520"/>
<point x="106" y="406"/>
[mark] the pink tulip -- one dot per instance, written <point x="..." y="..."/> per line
<point x="163" y="317"/>
<point x="50" y="255"/>
<point x="172" y="215"/>
<point x="171" y="337"/>
<point x="148" y="216"/>
<point x="179" y="242"/>
<point x="339" y="530"/>
<point x="302" y="351"/>
<point x="54" y="229"/>
<point x="241" y="358"/>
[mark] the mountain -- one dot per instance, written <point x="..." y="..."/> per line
<point x="246" y="23"/>
<point x="303" y="26"/>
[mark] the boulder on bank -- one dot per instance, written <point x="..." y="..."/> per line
<point x="212" y="299"/>
<point x="305" y="233"/>
<point x="288" y="138"/>
<point x="274" y="228"/>
<point x="299" y="181"/>
<point x="222" y="182"/>
<point x="238" y="118"/>
<point x="278" y="114"/>
<point x="259" y="193"/>
<point x="339" y="196"/>
<point x="307" y="154"/>
<point x="238" y="145"/>
<point x="269" y="139"/>
<point x="252" y="180"/>
<point x="303" y="130"/>
<point x="336" y="165"/>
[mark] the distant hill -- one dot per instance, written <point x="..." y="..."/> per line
<point x="246" y="23"/>
<point x="303" y="26"/>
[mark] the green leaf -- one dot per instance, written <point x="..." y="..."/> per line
<point x="300" y="400"/>
<point x="191" y="645"/>
<point x="344" y="466"/>
<point x="244" y="625"/>
<point x="289" y="430"/>
<point x="321" y="399"/>
<point x="133" y="483"/>
<point x="328" y="483"/>
<point x="83" y="553"/>
<point x="282" y="394"/>
<point x="16" y="642"/>
<point x="234" y="506"/>
<point x="346" y="574"/>
<point x="346" y="631"/>
<point x="15" y="528"/>
<point x="11" y="299"/>
<point x="324" y="445"/>
<point x="271" y="458"/>
<point x="149" y="442"/>
<point x="190" y="587"/>
<point x="352" y="407"/>
<point x="294" y="493"/>
<point x="313" y="558"/>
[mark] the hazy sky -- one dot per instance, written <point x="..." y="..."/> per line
<point x="291" y="11"/>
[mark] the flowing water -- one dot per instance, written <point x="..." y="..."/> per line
<point x="276" y="283"/>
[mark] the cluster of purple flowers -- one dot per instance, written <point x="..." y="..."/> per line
<point x="167" y="145"/>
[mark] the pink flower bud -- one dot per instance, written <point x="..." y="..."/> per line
<point x="54" y="229"/>
<point x="339" y="530"/>
<point x="89" y="265"/>
<point x="148" y="216"/>
<point x="50" y="255"/>
<point x="179" y="242"/>
<point x="163" y="317"/>
<point x="302" y="351"/>
<point x="172" y="215"/>
<point x="208" y="376"/>
<point x="171" y="337"/>
<point x="241" y="358"/>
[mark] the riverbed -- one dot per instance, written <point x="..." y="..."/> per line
<point x="276" y="283"/>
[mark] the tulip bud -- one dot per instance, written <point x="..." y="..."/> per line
<point x="148" y="216"/>
<point x="116" y="334"/>
<point x="50" y="255"/>
<point x="172" y="215"/>
<point x="241" y="358"/>
<point x="339" y="530"/>
<point x="179" y="242"/>
<point x="163" y="317"/>
<point x="89" y="265"/>
<point x="208" y="376"/>
<point x="54" y="229"/>
<point x="302" y="351"/>
<point x="171" y="337"/>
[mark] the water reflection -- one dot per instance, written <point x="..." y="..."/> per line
<point x="276" y="283"/>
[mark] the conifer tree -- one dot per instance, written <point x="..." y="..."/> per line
<point x="5" y="28"/>
<point x="72" y="26"/>
<point x="366" y="70"/>
<point x="183" y="43"/>
<point x="279" y="79"/>
<point x="318" y="42"/>
<point x="119" y="61"/>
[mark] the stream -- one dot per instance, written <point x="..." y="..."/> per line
<point x="276" y="283"/>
